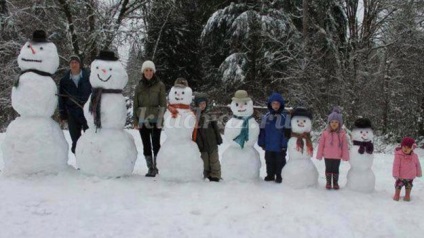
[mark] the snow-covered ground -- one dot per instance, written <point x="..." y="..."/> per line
<point x="74" y="205"/>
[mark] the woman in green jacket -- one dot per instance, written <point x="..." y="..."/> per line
<point x="149" y="107"/>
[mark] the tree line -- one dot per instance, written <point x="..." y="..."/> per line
<point x="364" y="56"/>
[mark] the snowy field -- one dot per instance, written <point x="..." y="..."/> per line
<point x="74" y="205"/>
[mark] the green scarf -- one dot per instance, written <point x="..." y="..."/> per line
<point x="244" y="133"/>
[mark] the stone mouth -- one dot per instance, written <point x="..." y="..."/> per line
<point x="104" y="80"/>
<point x="32" y="60"/>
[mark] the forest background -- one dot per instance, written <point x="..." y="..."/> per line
<point x="365" y="56"/>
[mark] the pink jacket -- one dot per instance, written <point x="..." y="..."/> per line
<point x="333" y="145"/>
<point x="406" y="166"/>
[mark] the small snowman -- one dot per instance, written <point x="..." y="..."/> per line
<point x="360" y="177"/>
<point x="179" y="157"/>
<point x="34" y="142"/>
<point x="105" y="149"/>
<point x="300" y="171"/>
<point x="240" y="161"/>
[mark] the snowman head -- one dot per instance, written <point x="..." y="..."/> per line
<point x="301" y="120"/>
<point x="180" y="93"/>
<point x="242" y="104"/>
<point x="107" y="72"/>
<point x="39" y="54"/>
<point x="362" y="130"/>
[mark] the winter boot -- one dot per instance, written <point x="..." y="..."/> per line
<point x="155" y="168"/>
<point x="407" y="195"/>
<point x="149" y="162"/>
<point x="269" y="178"/>
<point x="213" y="179"/>
<point x="279" y="179"/>
<point x="397" y="195"/>
<point x="336" y="181"/>
<point x="328" y="178"/>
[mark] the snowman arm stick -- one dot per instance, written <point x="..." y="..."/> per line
<point x="71" y="98"/>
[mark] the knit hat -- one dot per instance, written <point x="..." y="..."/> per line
<point x="362" y="123"/>
<point x="148" y="65"/>
<point x="107" y="56"/>
<point x="181" y="83"/>
<point x="241" y="95"/>
<point x="336" y="115"/>
<point x="408" y="142"/>
<point x="76" y="58"/>
<point x="301" y="111"/>
<point x="39" y="36"/>
<point x="200" y="97"/>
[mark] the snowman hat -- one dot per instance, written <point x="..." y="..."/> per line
<point x="241" y="95"/>
<point x="39" y="36"/>
<point x="181" y="83"/>
<point x="148" y="64"/>
<point x="107" y="56"/>
<point x="362" y="123"/>
<point x="301" y="112"/>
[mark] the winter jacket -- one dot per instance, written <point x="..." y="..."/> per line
<point x="208" y="137"/>
<point x="272" y="132"/>
<point x="406" y="166"/>
<point x="333" y="145"/>
<point x="149" y="101"/>
<point x="73" y="98"/>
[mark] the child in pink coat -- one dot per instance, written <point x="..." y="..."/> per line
<point x="333" y="147"/>
<point x="406" y="167"/>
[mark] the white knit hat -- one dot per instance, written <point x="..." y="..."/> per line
<point x="148" y="65"/>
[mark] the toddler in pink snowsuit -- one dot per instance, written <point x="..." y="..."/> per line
<point x="406" y="167"/>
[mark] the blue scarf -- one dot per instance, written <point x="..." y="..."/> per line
<point x="244" y="133"/>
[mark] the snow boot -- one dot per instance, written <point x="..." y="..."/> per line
<point x="279" y="179"/>
<point x="269" y="178"/>
<point x="336" y="181"/>
<point x="397" y="195"/>
<point x="328" y="178"/>
<point x="149" y="162"/>
<point x="213" y="179"/>
<point x="155" y="168"/>
<point x="407" y="197"/>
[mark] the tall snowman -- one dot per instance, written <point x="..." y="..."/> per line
<point x="360" y="176"/>
<point x="105" y="149"/>
<point x="300" y="172"/>
<point x="34" y="142"/>
<point x="179" y="157"/>
<point x="240" y="161"/>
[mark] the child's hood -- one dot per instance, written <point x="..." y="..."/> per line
<point x="276" y="97"/>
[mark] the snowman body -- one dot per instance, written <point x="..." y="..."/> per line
<point x="34" y="143"/>
<point x="360" y="176"/>
<point x="299" y="172"/>
<point x="179" y="157"/>
<point x="241" y="163"/>
<point x="108" y="151"/>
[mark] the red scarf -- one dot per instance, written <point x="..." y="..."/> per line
<point x="173" y="109"/>
<point x="300" y="144"/>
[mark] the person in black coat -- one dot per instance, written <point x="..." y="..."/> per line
<point x="74" y="91"/>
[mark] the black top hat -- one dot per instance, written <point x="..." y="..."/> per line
<point x="362" y="123"/>
<point x="39" y="36"/>
<point x="301" y="111"/>
<point x="107" y="55"/>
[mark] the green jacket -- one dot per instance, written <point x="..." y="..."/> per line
<point x="149" y="101"/>
<point x="208" y="136"/>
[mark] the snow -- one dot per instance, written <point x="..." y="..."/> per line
<point x="73" y="205"/>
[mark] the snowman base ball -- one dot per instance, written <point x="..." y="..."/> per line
<point x="300" y="174"/>
<point x="361" y="181"/>
<point x="34" y="145"/>
<point x="240" y="164"/>
<point x="179" y="161"/>
<point x="106" y="153"/>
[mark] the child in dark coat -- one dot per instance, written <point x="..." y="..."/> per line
<point x="272" y="137"/>
<point x="208" y="138"/>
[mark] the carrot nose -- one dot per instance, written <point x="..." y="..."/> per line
<point x="32" y="49"/>
<point x="104" y="71"/>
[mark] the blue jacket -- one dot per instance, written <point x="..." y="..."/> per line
<point x="70" y="95"/>
<point x="273" y="125"/>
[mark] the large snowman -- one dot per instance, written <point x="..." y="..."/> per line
<point x="300" y="172"/>
<point x="179" y="157"/>
<point x="105" y="149"/>
<point x="360" y="177"/>
<point x="240" y="161"/>
<point x="34" y="142"/>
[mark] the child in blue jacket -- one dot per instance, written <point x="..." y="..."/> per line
<point x="272" y="137"/>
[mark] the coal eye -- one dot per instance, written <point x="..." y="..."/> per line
<point x="110" y="69"/>
<point x="236" y="104"/>
<point x="182" y="92"/>
<point x="367" y="132"/>
<point x="304" y="121"/>
<point x="297" y="120"/>
<point x="245" y="103"/>
<point x="29" y="46"/>
<point x="361" y="131"/>
<point x="97" y="67"/>
<point x="175" y="92"/>
<point x="41" y="48"/>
